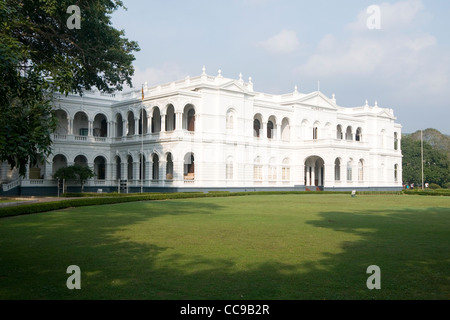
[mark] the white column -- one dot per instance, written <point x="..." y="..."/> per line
<point x="163" y="122"/>
<point x="313" y="176"/>
<point x="136" y="126"/>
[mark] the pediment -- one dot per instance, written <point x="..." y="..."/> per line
<point x="317" y="100"/>
<point x="234" y="86"/>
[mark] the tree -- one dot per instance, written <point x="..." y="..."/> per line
<point x="41" y="56"/>
<point x="75" y="172"/>
<point x="436" y="163"/>
<point x="82" y="174"/>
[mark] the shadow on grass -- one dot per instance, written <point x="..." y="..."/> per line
<point x="410" y="247"/>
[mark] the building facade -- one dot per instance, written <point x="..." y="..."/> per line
<point x="214" y="133"/>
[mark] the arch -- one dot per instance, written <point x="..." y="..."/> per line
<point x="272" y="170"/>
<point x="142" y="167"/>
<point x="130" y="167"/>
<point x="314" y="171"/>
<point x="285" y="130"/>
<point x="130" y="123"/>
<point x="81" y="160"/>
<point x="155" y="166"/>
<point x="230" y="118"/>
<point x="361" y="170"/>
<point x="350" y="170"/>
<point x="396" y="172"/>
<point x="189" y="166"/>
<point x="100" y="125"/>
<point x="339" y="133"/>
<point x="358" y="135"/>
<point x="170" y="118"/>
<point x="271" y="127"/>
<point x="169" y="166"/>
<point x="315" y="130"/>
<point x="118" y="167"/>
<point x="63" y="122"/>
<point x="286" y="170"/>
<point x="229" y="170"/>
<point x="81" y="124"/>
<point x="119" y="125"/>
<point x="396" y="141"/>
<point x="337" y="169"/>
<point x="257" y="128"/>
<point x="189" y="117"/>
<point x="100" y="168"/>
<point x="59" y="161"/>
<point x="349" y="133"/>
<point x="156" y="120"/>
<point x="257" y="170"/>
<point x="143" y="121"/>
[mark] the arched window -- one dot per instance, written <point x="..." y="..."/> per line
<point x="349" y="170"/>
<point x="339" y="134"/>
<point x="118" y="168"/>
<point x="130" y="120"/>
<point x="155" y="167"/>
<point x="349" y="134"/>
<point x="229" y="169"/>
<point x="285" y="130"/>
<point x="130" y="167"/>
<point x="170" y="118"/>
<point x="256" y="128"/>
<point x="100" y="126"/>
<point x="59" y="161"/>
<point x="156" y="120"/>
<point x="80" y="124"/>
<point x="63" y="123"/>
<point x="395" y="141"/>
<point x="119" y="125"/>
<point x="396" y="172"/>
<point x="270" y="129"/>
<point x="337" y="169"/>
<point x="230" y="120"/>
<point x="191" y="120"/>
<point x="169" y="167"/>
<point x="100" y="168"/>
<point x="272" y="174"/>
<point x="142" y="121"/>
<point x="142" y="168"/>
<point x="189" y="166"/>
<point x="81" y="160"/>
<point x="315" y="133"/>
<point x="257" y="170"/>
<point x="286" y="170"/>
<point x="361" y="170"/>
<point x="358" y="136"/>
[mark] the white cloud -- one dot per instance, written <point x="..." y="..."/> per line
<point x="397" y="16"/>
<point x="282" y="43"/>
<point x="154" y="76"/>
<point x="406" y="59"/>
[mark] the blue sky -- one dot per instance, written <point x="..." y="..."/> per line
<point x="404" y="65"/>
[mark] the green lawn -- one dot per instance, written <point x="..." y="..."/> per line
<point x="251" y="247"/>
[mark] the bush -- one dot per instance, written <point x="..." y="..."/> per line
<point x="434" y="186"/>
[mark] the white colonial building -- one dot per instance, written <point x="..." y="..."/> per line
<point x="214" y="133"/>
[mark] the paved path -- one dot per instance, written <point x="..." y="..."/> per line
<point x="29" y="200"/>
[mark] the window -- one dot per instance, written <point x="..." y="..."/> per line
<point x="395" y="141"/>
<point x="337" y="170"/>
<point x="315" y="131"/>
<point x="358" y="136"/>
<point x="286" y="170"/>
<point x="229" y="169"/>
<point x="361" y="170"/>
<point x="396" y="172"/>
<point x="256" y="128"/>
<point x="257" y="170"/>
<point x="270" y="129"/>
<point x="349" y="171"/>
<point x="230" y="120"/>
<point x="272" y="174"/>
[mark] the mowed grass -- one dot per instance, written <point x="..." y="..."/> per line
<point x="248" y="247"/>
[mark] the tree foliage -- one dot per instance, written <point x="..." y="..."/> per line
<point x="75" y="172"/>
<point x="41" y="56"/>
<point x="436" y="165"/>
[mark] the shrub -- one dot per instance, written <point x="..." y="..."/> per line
<point x="434" y="186"/>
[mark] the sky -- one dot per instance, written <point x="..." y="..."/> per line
<point x="395" y="53"/>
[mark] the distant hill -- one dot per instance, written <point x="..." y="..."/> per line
<point x="435" y="138"/>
